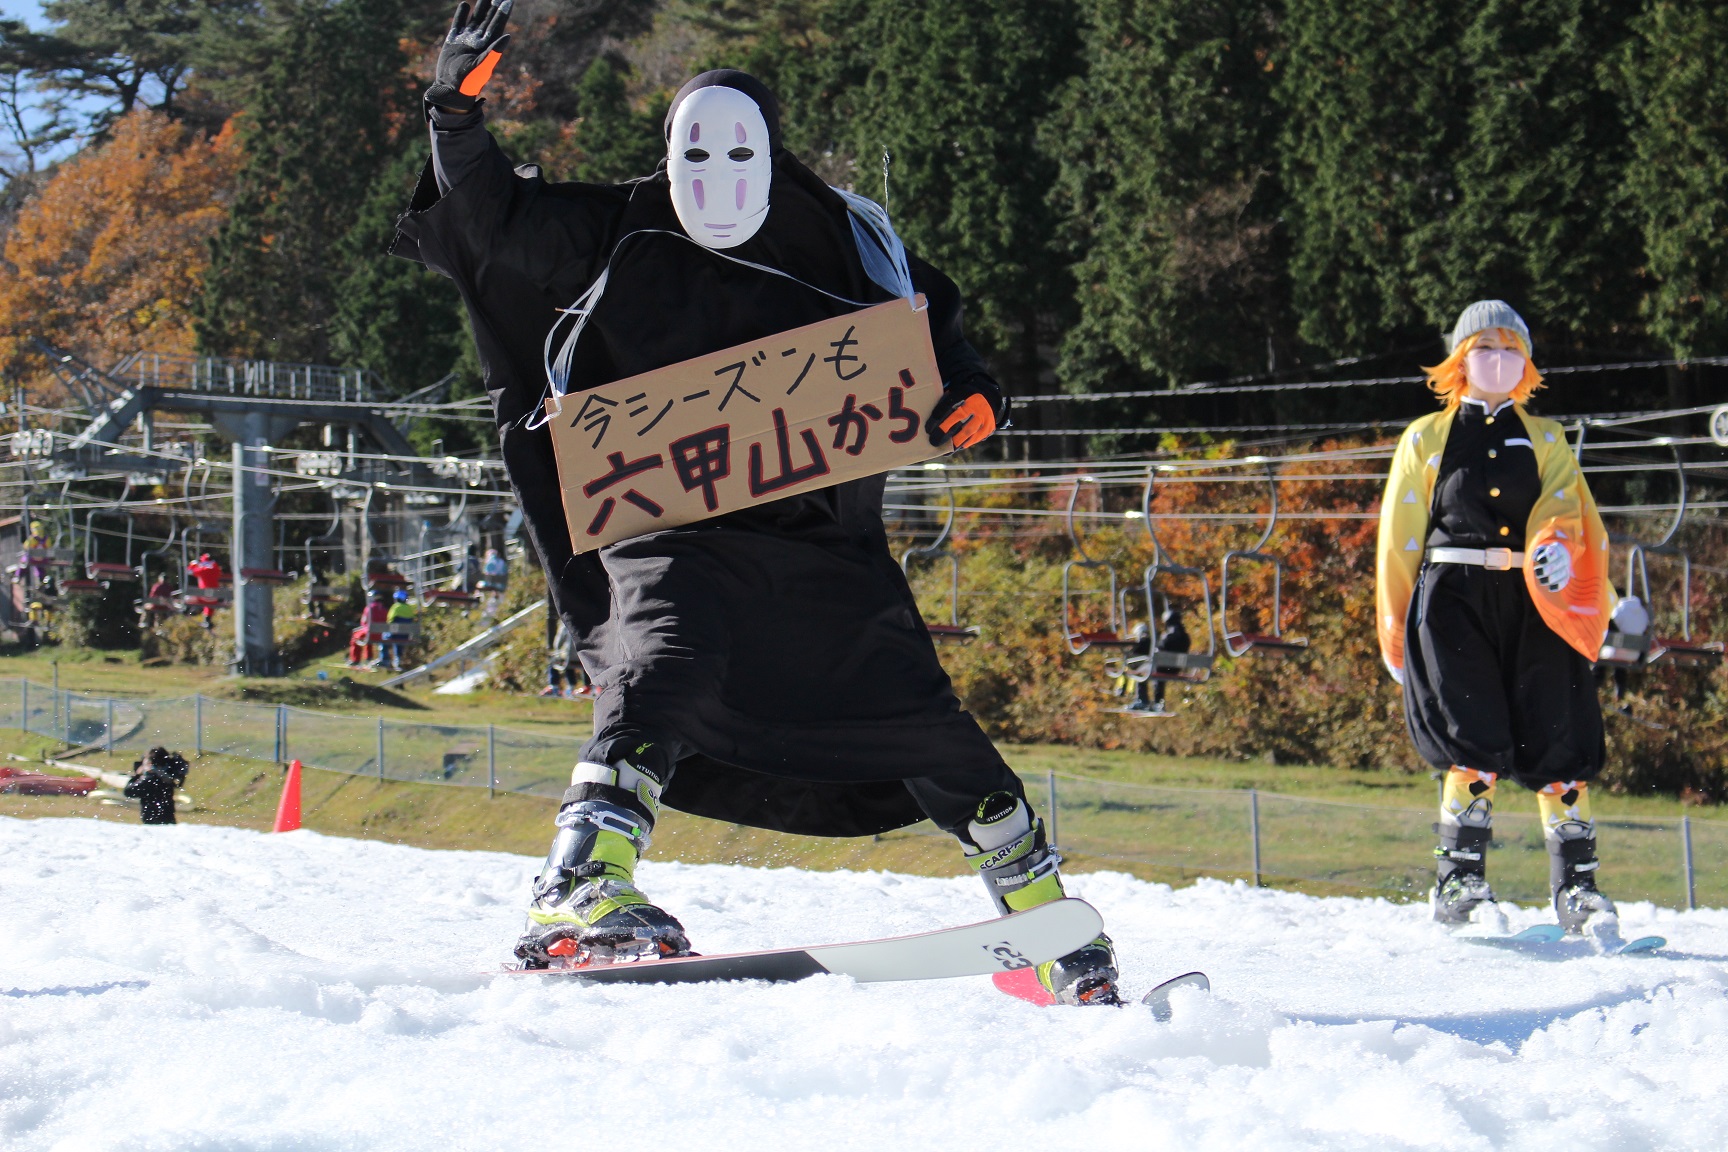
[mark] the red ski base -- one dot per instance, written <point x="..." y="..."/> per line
<point x="1023" y="983"/>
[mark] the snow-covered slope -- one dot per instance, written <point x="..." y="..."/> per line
<point x="210" y="988"/>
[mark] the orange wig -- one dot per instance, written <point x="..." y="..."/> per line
<point x="1447" y="380"/>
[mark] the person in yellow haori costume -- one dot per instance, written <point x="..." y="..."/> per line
<point x="1492" y="600"/>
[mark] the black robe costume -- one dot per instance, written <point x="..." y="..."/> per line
<point x="775" y="655"/>
<point x="1487" y="684"/>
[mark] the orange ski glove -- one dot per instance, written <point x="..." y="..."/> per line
<point x="475" y="44"/>
<point x="968" y="412"/>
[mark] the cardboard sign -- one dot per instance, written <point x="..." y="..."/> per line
<point x="801" y="410"/>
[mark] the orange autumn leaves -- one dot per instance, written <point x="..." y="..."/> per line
<point x="109" y="257"/>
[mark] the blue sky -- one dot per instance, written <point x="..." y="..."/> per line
<point x="30" y="11"/>
<point x="27" y="10"/>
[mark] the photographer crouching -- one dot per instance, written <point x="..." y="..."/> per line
<point x="154" y="781"/>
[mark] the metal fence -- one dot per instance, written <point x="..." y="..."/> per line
<point x="1187" y="832"/>
<point x="471" y="756"/>
<point x="1678" y="862"/>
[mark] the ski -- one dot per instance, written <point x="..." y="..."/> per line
<point x="1158" y="999"/>
<point x="1021" y="941"/>
<point x="1542" y="938"/>
<point x="1023" y="984"/>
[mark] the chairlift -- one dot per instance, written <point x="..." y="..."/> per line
<point x="106" y="572"/>
<point x="148" y="605"/>
<point x="1274" y="643"/>
<point x="318" y="592"/>
<point x="952" y="631"/>
<point x="1080" y="640"/>
<point x="1629" y="650"/>
<point x="266" y="577"/>
<point x="1192" y="667"/>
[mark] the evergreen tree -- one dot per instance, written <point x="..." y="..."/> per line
<point x="956" y="91"/>
<point x="617" y="142"/>
<point x="1166" y="145"/>
<point x="1541" y="220"/>
<point x="1678" y="176"/>
<point x="1375" y="99"/>
<point x="316" y="129"/>
<point x="393" y="316"/>
<point x="787" y="44"/>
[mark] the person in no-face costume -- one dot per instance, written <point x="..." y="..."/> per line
<point x="768" y="666"/>
<point x="1492" y="601"/>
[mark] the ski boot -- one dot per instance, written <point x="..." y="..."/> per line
<point x="1005" y="844"/>
<point x="1570" y="834"/>
<point x="586" y="907"/>
<point x="1461" y="893"/>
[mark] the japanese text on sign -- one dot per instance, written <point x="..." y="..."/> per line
<point x="806" y="409"/>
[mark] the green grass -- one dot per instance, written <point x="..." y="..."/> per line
<point x="1158" y="817"/>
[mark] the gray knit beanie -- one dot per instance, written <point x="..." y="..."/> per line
<point x="1486" y="314"/>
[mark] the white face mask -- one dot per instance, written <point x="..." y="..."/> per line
<point x="720" y="167"/>
<point x="1494" y="370"/>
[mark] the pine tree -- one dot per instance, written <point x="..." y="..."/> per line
<point x="1678" y="176"/>
<point x="316" y="130"/>
<point x="1541" y="220"/>
<point x="617" y="142"/>
<point x="1374" y="96"/>
<point x="956" y="91"/>
<point x="1166" y="145"/>
<point x="393" y="316"/>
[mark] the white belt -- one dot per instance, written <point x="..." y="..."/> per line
<point x="1494" y="559"/>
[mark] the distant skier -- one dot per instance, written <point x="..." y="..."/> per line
<point x="1172" y="638"/>
<point x="766" y="666"/>
<point x="155" y="778"/>
<point x="1492" y="601"/>
<point x="372" y="618"/>
<point x="565" y="675"/>
<point x="398" y="624"/>
<point x="208" y="575"/>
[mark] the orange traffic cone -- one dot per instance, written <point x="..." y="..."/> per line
<point x="288" y="811"/>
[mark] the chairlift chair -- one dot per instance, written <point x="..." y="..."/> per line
<point x="1629" y="650"/>
<point x="266" y="577"/>
<point x="1080" y="640"/>
<point x="1192" y="667"/>
<point x="1274" y="643"/>
<point x="951" y="631"/>
<point x="109" y="571"/>
<point x="387" y="581"/>
<point x="450" y="598"/>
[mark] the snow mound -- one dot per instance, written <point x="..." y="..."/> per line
<point x="211" y="988"/>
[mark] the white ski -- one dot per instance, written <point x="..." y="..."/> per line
<point x="1020" y="940"/>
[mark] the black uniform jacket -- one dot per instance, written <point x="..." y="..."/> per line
<point x="779" y="648"/>
<point x="1487" y="683"/>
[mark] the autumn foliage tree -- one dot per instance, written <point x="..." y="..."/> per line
<point x="110" y="256"/>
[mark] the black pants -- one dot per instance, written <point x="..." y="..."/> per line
<point x="805" y="667"/>
<point x="1488" y="685"/>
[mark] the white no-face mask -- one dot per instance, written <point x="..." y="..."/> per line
<point x="718" y="161"/>
<point x="1494" y="370"/>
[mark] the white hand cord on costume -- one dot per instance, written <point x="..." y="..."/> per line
<point x="879" y="249"/>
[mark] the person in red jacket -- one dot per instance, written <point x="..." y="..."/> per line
<point x="360" y="642"/>
<point x="208" y="575"/>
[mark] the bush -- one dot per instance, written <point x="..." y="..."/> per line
<point x="105" y="621"/>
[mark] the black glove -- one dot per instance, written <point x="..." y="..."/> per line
<point x="471" y="51"/>
<point x="968" y="412"/>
